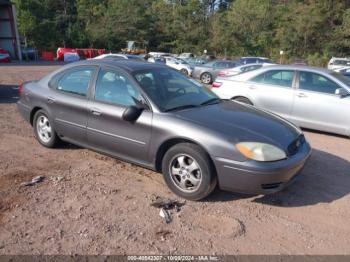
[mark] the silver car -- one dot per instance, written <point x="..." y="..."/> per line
<point x="310" y="97"/>
<point x="206" y="73"/>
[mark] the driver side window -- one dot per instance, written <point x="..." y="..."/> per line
<point x="114" y="88"/>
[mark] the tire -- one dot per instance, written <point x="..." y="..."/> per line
<point x="206" y="78"/>
<point x="188" y="171"/>
<point x="43" y="130"/>
<point x="184" y="71"/>
<point x="243" y="100"/>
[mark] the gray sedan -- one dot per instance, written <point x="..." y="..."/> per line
<point x="156" y="117"/>
<point x="311" y="97"/>
<point x="206" y="73"/>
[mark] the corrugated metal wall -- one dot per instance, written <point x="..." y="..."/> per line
<point x="8" y="30"/>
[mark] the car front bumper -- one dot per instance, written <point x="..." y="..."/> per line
<point x="253" y="177"/>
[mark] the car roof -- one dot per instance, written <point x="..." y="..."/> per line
<point x="297" y="67"/>
<point x="247" y="75"/>
<point x="125" y="64"/>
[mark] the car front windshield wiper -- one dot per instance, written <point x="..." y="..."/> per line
<point x="180" y="108"/>
<point x="211" y="101"/>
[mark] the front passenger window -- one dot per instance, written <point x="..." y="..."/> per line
<point x="115" y="88"/>
<point x="317" y="83"/>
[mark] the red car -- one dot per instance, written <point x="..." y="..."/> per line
<point x="4" y="56"/>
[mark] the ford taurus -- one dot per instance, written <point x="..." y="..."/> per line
<point x="156" y="117"/>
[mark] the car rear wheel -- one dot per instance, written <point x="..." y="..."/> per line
<point x="188" y="171"/>
<point x="243" y="100"/>
<point x="184" y="71"/>
<point x="206" y="78"/>
<point x="43" y="130"/>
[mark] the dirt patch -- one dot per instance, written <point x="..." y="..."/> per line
<point x="223" y="226"/>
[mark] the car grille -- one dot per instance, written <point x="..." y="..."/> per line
<point x="293" y="148"/>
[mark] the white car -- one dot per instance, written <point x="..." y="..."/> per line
<point x="119" y="56"/>
<point x="185" y="55"/>
<point x="179" y="64"/>
<point x="338" y="63"/>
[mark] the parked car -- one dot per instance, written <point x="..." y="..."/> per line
<point x="310" y="97"/>
<point x="158" y="54"/>
<point x="337" y="63"/>
<point x="29" y="53"/>
<point x="194" y="61"/>
<point x="185" y="55"/>
<point x="4" y="56"/>
<point x="254" y="60"/>
<point x="179" y="65"/>
<point x="120" y="56"/>
<point x="157" y="60"/>
<point x="240" y="69"/>
<point x="206" y="73"/>
<point x="344" y="71"/>
<point x="156" y="117"/>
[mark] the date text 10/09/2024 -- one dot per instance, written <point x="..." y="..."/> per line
<point x="172" y="258"/>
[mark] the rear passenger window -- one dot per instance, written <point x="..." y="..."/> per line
<point x="76" y="82"/>
<point x="282" y="78"/>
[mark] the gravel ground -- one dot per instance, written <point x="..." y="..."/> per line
<point x="93" y="204"/>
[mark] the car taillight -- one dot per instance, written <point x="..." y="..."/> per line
<point x="216" y="84"/>
<point x="20" y="88"/>
<point x="222" y="73"/>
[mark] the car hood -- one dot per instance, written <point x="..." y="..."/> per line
<point x="238" y="123"/>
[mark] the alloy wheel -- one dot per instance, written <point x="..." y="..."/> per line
<point x="185" y="173"/>
<point x="206" y="78"/>
<point x="44" y="129"/>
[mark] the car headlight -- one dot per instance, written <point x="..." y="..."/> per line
<point x="260" y="151"/>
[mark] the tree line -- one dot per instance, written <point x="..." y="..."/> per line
<point x="313" y="30"/>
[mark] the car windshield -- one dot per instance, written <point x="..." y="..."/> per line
<point x="345" y="80"/>
<point x="171" y="90"/>
<point x="210" y="63"/>
<point x="137" y="58"/>
<point x="181" y="61"/>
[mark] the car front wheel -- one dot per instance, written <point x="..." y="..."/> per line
<point x="43" y="129"/>
<point x="206" y="78"/>
<point x="184" y="71"/>
<point x="188" y="171"/>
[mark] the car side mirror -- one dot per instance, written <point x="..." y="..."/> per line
<point x="342" y="92"/>
<point x="132" y="113"/>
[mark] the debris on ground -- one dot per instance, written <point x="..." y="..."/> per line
<point x="165" y="214"/>
<point x="35" y="180"/>
<point x="167" y="204"/>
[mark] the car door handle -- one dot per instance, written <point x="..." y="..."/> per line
<point x="95" y="111"/>
<point x="301" y="95"/>
<point x="252" y="86"/>
<point x="50" y="100"/>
